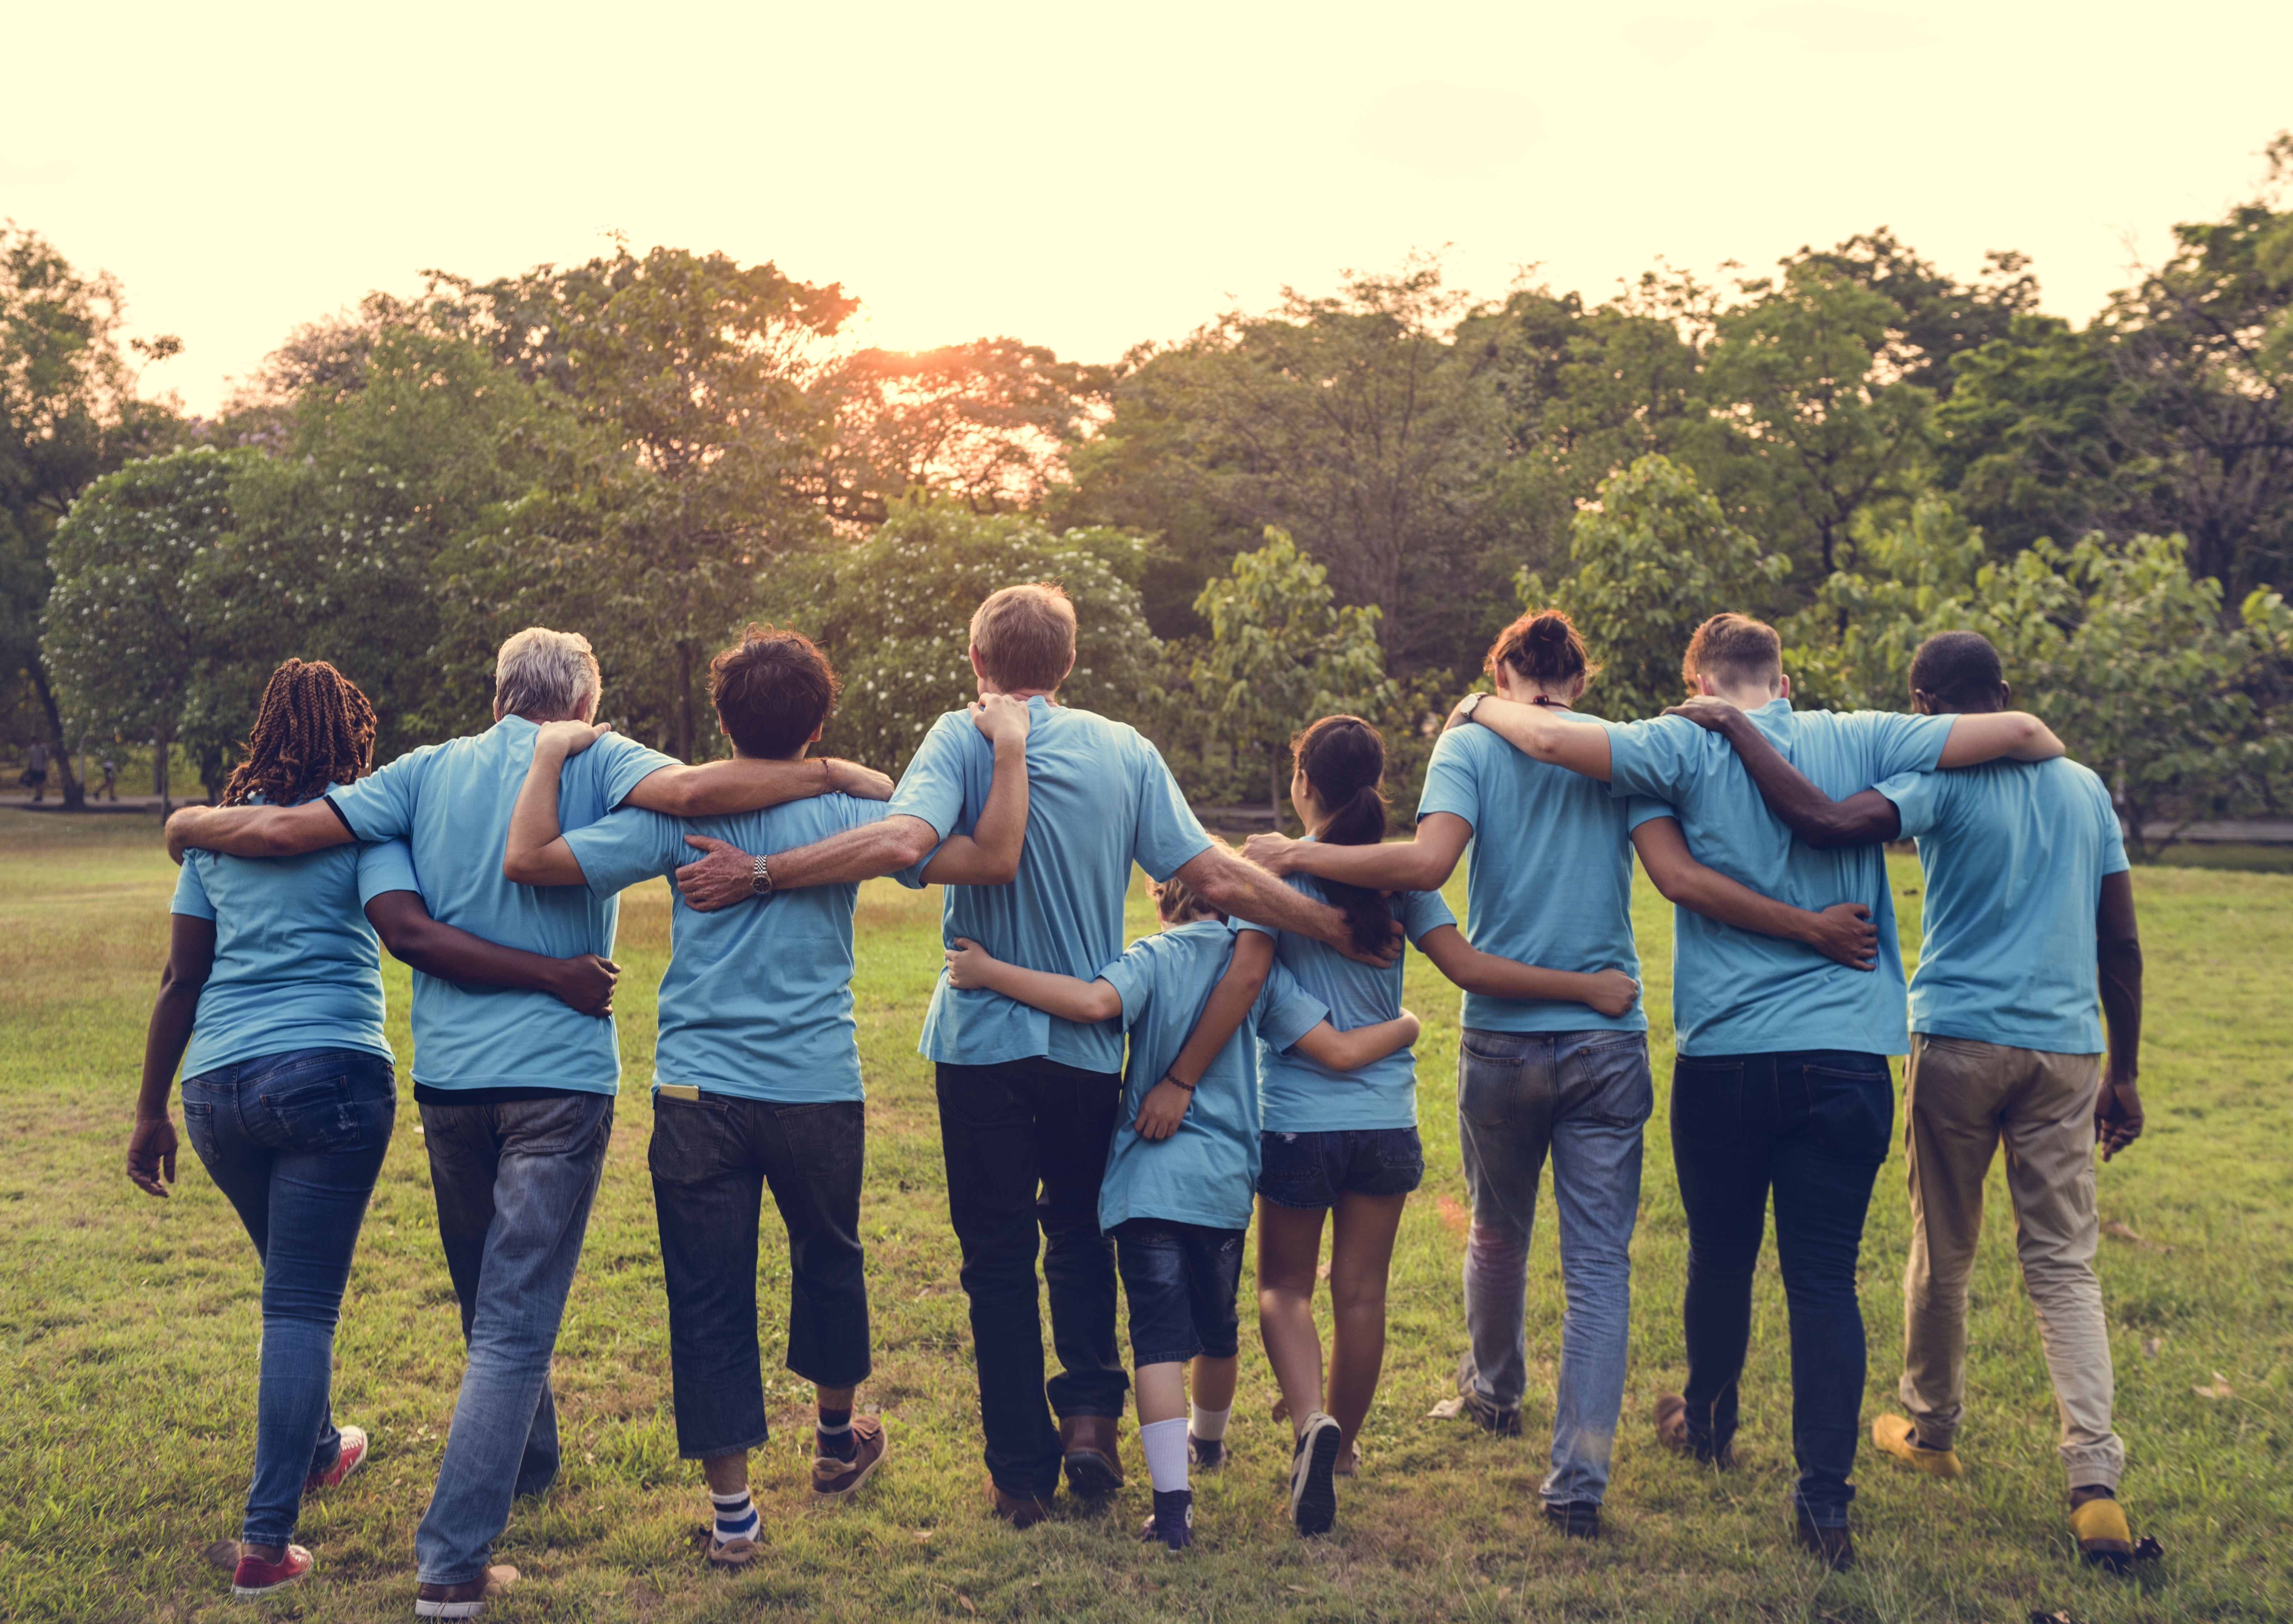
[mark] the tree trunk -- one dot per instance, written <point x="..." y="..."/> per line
<point x="683" y="751"/>
<point x="160" y="749"/>
<point x="1274" y="784"/>
<point x="58" y="751"/>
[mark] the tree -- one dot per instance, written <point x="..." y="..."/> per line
<point x="1281" y="654"/>
<point x="70" y="413"/>
<point x="893" y="612"/>
<point x="695" y="377"/>
<point x="1654" y="559"/>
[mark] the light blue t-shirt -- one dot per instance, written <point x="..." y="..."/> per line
<point x="1206" y="1170"/>
<point x="758" y="998"/>
<point x="296" y="966"/>
<point x="1737" y="993"/>
<point x="1304" y="1096"/>
<point x="452" y="802"/>
<point x="2015" y="853"/>
<point x="1098" y="799"/>
<point x="1548" y="877"/>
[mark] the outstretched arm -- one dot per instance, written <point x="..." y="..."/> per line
<point x="2015" y="735"/>
<point x="257" y="832"/>
<point x="1534" y="731"/>
<point x="1068" y="997"/>
<point x="1864" y="818"/>
<point x="746" y="784"/>
<point x="584" y="982"/>
<point x="1221" y="878"/>
<point x="2118" y="946"/>
<point x="990" y="854"/>
<point x="1223" y="1012"/>
<point x="537" y="852"/>
<point x="1362" y="1047"/>
<point x="1842" y="932"/>
<point x="1611" y="992"/>
<point x="151" y="1144"/>
<point x="1420" y="865"/>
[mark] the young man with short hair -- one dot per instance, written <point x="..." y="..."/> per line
<point x="756" y="1072"/>
<point x="2029" y="925"/>
<point x="1780" y="1081"/>
<point x="515" y="1090"/>
<point x="1027" y="1100"/>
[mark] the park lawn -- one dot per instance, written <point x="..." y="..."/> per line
<point x="131" y="1332"/>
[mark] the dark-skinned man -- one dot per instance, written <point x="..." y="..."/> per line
<point x="2030" y="925"/>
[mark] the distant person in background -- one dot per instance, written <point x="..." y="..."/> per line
<point x="2029" y="927"/>
<point x="517" y="1090"/>
<point x="274" y="981"/>
<point x="111" y="778"/>
<point x="36" y="770"/>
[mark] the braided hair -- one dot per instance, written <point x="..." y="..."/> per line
<point x="1343" y="758"/>
<point x="315" y="729"/>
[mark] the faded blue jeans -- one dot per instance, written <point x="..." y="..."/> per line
<point x="513" y="1182"/>
<point x="1581" y="1097"/>
<point x="294" y="1141"/>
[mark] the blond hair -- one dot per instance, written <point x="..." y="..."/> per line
<point x="1026" y="637"/>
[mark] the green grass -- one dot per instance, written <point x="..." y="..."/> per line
<point x="131" y="1330"/>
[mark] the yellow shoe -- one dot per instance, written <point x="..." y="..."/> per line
<point x="1898" y="1437"/>
<point x="2102" y="1535"/>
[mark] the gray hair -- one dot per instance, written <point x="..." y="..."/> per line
<point x="545" y="673"/>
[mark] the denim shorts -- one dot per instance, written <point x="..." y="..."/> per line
<point x="1179" y="1279"/>
<point x="1309" y="1170"/>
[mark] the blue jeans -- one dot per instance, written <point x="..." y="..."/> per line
<point x="1582" y="1098"/>
<point x="295" y="1142"/>
<point x="512" y="1182"/>
<point x="1812" y="1126"/>
<point x="1180" y="1281"/>
<point x="1308" y="1172"/>
<point x="711" y="1158"/>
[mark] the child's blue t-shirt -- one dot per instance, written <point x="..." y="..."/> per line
<point x="1206" y="1170"/>
<point x="296" y="965"/>
<point x="1304" y="1096"/>
<point x="452" y="801"/>
<point x="757" y="1001"/>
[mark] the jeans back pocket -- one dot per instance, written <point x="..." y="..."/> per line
<point x="1850" y="1114"/>
<point x="1707" y="1101"/>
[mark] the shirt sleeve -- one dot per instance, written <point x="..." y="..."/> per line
<point x="1170" y="835"/>
<point x="933" y="789"/>
<point x="626" y="765"/>
<point x="623" y="848"/>
<point x="1651" y="758"/>
<point x="385" y="865"/>
<point x="1452" y="779"/>
<point x="1920" y="801"/>
<point x="2113" y="833"/>
<point x="1133" y="977"/>
<point x="380" y="806"/>
<point x="190" y="898"/>
<point x="1642" y="809"/>
<point x="1285" y="1011"/>
<point x="1423" y="911"/>
<point x="1896" y="743"/>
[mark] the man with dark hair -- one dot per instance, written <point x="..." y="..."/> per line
<point x="756" y="1072"/>
<point x="1780" y="1081"/>
<point x="2030" y="923"/>
<point x="1027" y="1100"/>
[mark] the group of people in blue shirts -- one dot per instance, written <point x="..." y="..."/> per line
<point x="1124" y="1113"/>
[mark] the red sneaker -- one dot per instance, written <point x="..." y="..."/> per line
<point x="255" y="1577"/>
<point x="352" y="1456"/>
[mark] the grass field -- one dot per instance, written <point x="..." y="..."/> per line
<point x="131" y="1330"/>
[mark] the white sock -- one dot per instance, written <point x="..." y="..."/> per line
<point x="1209" y="1425"/>
<point x="1165" y="1443"/>
<point x="736" y="1515"/>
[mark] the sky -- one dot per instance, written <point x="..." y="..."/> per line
<point x="1088" y="177"/>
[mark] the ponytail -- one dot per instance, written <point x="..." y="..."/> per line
<point x="1343" y="758"/>
<point x="1545" y="647"/>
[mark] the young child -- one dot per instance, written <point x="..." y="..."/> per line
<point x="1184" y="1161"/>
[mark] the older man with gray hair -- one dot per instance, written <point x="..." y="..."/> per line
<point x="515" y="1089"/>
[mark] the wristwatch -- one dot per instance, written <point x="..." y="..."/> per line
<point x="1472" y="703"/>
<point x="760" y="878"/>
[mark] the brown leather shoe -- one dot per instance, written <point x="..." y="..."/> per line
<point x="1672" y="1431"/>
<point x="1093" y="1459"/>
<point x="1021" y="1511"/>
<point x="1836" y="1545"/>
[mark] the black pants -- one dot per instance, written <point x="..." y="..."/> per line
<point x="1026" y="1146"/>
<point x="711" y="1158"/>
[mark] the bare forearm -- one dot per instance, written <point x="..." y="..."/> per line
<point x="1395" y="866"/>
<point x="1491" y="976"/>
<point x="2014" y="735"/>
<point x="857" y="854"/>
<point x="1707" y="891"/>
<point x="256" y="831"/>
<point x="1362" y="1047"/>
<point x="163" y="1043"/>
<point x="1065" y="996"/>
<point x="743" y="784"/>
<point x="2120" y="964"/>
<point x="1245" y="891"/>
<point x="1534" y="732"/>
<point x="1863" y="819"/>
<point x="1222" y="1016"/>
<point x="990" y="854"/>
<point x="455" y="955"/>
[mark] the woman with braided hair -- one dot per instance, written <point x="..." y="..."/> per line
<point x="274" y="984"/>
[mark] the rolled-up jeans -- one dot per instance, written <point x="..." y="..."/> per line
<point x="294" y="1141"/>
<point x="513" y="1181"/>
<point x="1582" y="1098"/>
<point x="1813" y="1126"/>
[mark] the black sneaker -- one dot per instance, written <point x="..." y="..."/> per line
<point x="1205" y="1454"/>
<point x="1173" y="1522"/>
<point x="1504" y="1422"/>
<point x="1312" y="1467"/>
<point x="1576" y="1519"/>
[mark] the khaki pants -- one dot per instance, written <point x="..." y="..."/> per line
<point x="1961" y="1097"/>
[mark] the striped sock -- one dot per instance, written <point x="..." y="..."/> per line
<point x="832" y="1437"/>
<point x="736" y="1516"/>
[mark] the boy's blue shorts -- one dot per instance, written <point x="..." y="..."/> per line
<point x="1180" y="1281"/>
